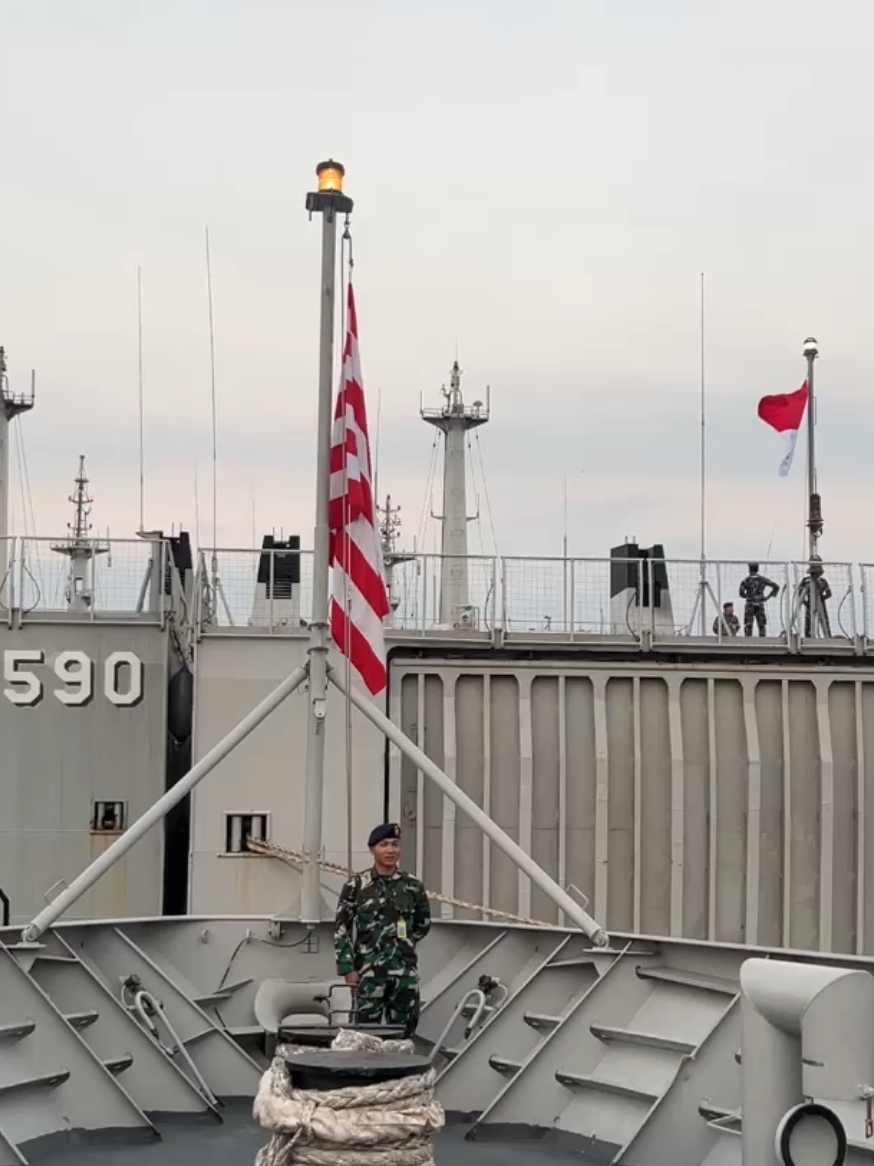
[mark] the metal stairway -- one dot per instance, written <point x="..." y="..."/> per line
<point x="539" y="1001"/>
<point x="75" y="1061"/>
<point x="617" y="1066"/>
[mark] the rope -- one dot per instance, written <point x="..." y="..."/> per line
<point x="295" y="859"/>
<point x="388" y="1124"/>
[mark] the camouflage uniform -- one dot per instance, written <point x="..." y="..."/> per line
<point x="380" y="919"/>
<point x="731" y="623"/>
<point x="824" y="593"/>
<point x="753" y="590"/>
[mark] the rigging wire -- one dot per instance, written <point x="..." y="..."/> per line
<point x="473" y="482"/>
<point x="213" y="402"/>
<point x="429" y="483"/>
<point x="27" y="497"/>
<point x="486" y="492"/>
<point x="141" y="399"/>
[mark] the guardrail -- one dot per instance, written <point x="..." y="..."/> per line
<point x="514" y="597"/>
<point x="272" y="591"/>
<point x="113" y="579"/>
<point x="527" y="598"/>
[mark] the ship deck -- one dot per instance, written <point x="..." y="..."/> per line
<point x="237" y="1140"/>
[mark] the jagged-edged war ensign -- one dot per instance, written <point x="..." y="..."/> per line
<point x="359" y="593"/>
<point x="785" y="413"/>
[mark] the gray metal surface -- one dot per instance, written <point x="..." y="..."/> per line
<point x="236" y="1142"/>
<point x="707" y="799"/>
<point x="59" y="758"/>
<point x="627" y="1055"/>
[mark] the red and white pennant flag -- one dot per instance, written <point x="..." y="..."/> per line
<point x="359" y="594"/>
<point x="785" y="413"/>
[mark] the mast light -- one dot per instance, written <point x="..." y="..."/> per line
<point x="330" y="177"/>
<point x="329" y="199"/>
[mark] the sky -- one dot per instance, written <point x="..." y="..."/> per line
<point x="538" y="189"/>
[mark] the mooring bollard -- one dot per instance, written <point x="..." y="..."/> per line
<point x="322" y="1070"/>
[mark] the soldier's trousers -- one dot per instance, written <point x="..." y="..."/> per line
<point x="387" y="996"/>
<point x="754" y="611"/>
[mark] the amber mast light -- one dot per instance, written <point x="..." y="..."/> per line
<point x="330" y="177"/>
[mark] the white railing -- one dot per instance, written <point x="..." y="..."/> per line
<point x="119" y="578"/>
<point x="673" y="599"/>
<point x="260" y="589"/>
<point x="577" y="599"/>
<point x="270" y="591"/>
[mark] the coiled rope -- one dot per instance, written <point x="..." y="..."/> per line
<point x="389" y="1124"/>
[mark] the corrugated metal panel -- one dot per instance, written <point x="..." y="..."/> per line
<point x="710" y="803"/>
<point x="58" y="758"/>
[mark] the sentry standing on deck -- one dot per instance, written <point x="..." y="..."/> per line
<point x="381" y="915"/>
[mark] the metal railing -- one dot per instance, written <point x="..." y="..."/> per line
<point x="271" y="590"/>
<point x="636" y="600"/>
<point x="516" y="597"/>
<point x="660" y="600"/>
<point x="116" y="578"/>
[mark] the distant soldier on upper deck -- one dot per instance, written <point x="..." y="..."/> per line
<point x="730" y="622"/>
<point x="756" y="590"/>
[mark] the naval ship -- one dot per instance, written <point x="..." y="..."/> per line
<point x="692" y="805"/>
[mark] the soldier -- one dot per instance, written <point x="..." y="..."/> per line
<point x="814" y="586"/>
<point x="730" y="622"/>
<point x="756" y="590"/>
<point x="381" y="915"/>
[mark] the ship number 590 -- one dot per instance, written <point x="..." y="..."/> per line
<point x="122" y="678"/>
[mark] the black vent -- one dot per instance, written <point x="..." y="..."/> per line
<point x="282" y="559"/>
<point x="634" y="568"/>
<point x="180" y="558"/>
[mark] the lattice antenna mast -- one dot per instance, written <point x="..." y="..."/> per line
<point x="389" y="525"/>
<point x="389" y="518"/>
<point x="82" y="501"/>
<point x="80" y="548"/>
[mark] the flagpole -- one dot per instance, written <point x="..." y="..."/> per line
<point x="814" y="503"/>
<point x="329" y="201"/>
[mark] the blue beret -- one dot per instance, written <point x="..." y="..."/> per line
<point x="381" y="833"/>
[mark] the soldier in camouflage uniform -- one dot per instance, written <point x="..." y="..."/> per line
<point x="756" y="590"/>
<point x="381" y="915"/>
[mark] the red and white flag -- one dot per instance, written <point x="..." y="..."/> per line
<point x="359" y="595"/>
<point x="785" y="413"/>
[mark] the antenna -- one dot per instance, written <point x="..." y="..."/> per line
<point x="196" y="510"/>
<point x="213" y="398"/>
<point x="79" y="547"/>
<point x="376" y="442"/>
<point x="142" y="439"/>
<point x="703" y="434"/>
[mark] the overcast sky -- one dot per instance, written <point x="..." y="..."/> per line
<point x="537" y="185"/>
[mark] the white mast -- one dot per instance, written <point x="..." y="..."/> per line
<point x="10" y="407"/>
<point x="454" y="420"/>
<point x="80" y="547"/>
<point x="389" y="528"/>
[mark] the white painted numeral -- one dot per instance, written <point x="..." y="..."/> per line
<point x="111" y="675"/>
<point x="27" y="691"/>
<point x="123" y="678"/>
<point x="76" y="671"/>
